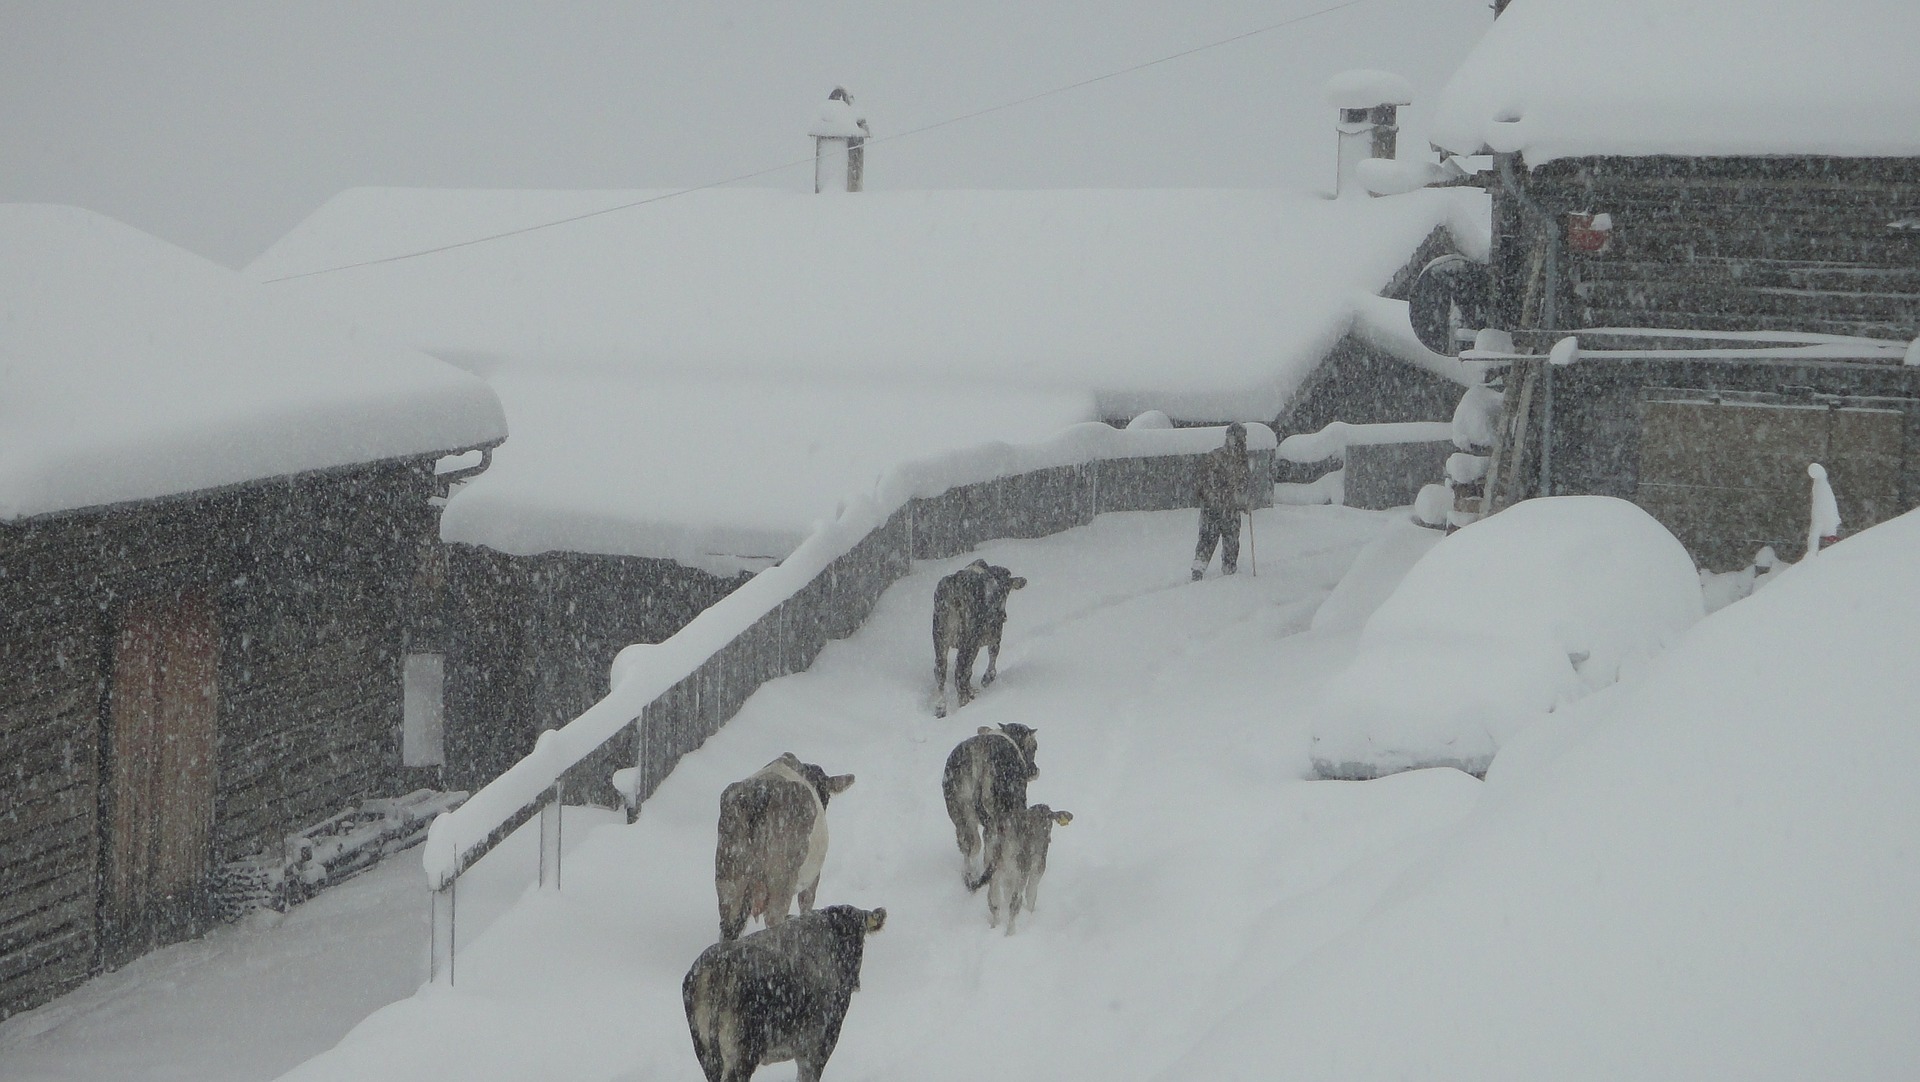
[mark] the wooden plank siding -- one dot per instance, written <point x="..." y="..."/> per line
<point x="307" y="580"/>
<point x="1806" y="244"/>
<point x="1772" y="244"/>
<point x="529" y="640"/>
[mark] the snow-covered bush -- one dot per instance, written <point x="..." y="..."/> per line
<point x="1498" y="624"/>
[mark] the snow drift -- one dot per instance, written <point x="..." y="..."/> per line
<point x="1499" y="624"/>
<point x="1708" y="874"/>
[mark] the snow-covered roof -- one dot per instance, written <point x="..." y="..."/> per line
<point x="1573" y="78"/>
<point x="133" y="369"/>
<point x="703" y="377"/>
<point x="719" y="474"/>
<point x="1208" y="304"/>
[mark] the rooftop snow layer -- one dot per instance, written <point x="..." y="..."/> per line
<point x="1573" y="78"/>
<point x="723" y="475"/>
<point x="1207" y="304"/>
<point x="134" y="369"/>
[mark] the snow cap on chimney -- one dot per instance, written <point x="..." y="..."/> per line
<point x="1368" y="103"/>
<point x="839" y="132"/>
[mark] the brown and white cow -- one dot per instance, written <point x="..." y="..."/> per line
<point x="985" y="785"/>
<point x="969" y="612"/>
<point x="773" y="840"/>
<point x="778" y="994"/>
<point x="1015" y="869"/>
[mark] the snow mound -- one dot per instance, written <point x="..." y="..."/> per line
<point x="1712" y="879"/>
<point x="1500" y="623"/>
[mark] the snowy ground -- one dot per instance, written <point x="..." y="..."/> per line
<point x="1707" y="871"/>
<point x="252" y="1000"/>
<point x="1169" y="725"/>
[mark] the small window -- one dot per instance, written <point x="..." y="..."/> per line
<point x="423" y="726"/>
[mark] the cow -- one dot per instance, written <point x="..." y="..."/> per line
<point x="985" y="783"/>
<point x="969" y="612"/>
<point x="1020" y="861"/>
<point x="778" y="994"/>
<point x="773" y="839"/>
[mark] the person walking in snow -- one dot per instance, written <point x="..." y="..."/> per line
<point x="1221" y="491"/>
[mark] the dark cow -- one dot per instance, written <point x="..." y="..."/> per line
<point x="969" y="612"/>
<point x="985" y="783"/>
<point x="1020" y="861"/>
<point x="773" y="839"/>
<point x="778" y="994"/>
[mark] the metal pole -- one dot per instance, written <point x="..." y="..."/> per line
<point x="550" y="841"/>
<point x="440" y="953"/>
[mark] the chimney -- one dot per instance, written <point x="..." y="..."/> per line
<point x="839" y="137"/>
<point x="1367" y="104"/>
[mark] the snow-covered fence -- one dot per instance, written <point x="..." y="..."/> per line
<point x="1383" y="465"/>
<point x="667" y="698"/>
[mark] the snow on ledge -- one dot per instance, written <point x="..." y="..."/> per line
<point x="1333" y="440"/>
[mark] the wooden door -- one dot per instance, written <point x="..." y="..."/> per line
<point x="161" y="730"/>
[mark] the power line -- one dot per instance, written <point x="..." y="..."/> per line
<point x="804" y="161"/>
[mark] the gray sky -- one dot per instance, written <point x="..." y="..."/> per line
<point x="219" y="124"/>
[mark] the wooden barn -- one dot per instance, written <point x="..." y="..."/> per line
<point x="693" y="381"/>
<point x="213" y="509"/>
<point x="1733" y="238"/>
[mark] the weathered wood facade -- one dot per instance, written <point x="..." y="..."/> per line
<point x="1809" y="244"/>
<point x="182" y="681"/>
<point x="529" y="640"/>
<point x="1712" y="434"/>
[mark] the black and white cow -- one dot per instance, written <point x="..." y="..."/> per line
<point x="969" y="612"/>
<point x="985" y="785"/>
<point x="778" y="994"/>
<point x="773" y="840"/>
<point x="1016" y="866"/>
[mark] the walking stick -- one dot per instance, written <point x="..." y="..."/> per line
<point x="1253" y="557"/>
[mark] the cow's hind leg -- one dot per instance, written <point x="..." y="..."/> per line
<point x="963" y="671"/>
<point x="966" y="833"/>
<point x="940" y="646"/>
<point x="807" y="893"/>
<point x="780" y="891"/>
<point x="993" y="660"/>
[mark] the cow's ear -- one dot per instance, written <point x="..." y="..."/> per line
<point x="983" y="730"/>
<point x="1063" y="817"/>
<point x="876" y="919"/>
<point x="1016" y="582"/>
<point x="838" y="783"/>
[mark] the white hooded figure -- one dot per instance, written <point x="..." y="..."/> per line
<point x="1823" y="526"/>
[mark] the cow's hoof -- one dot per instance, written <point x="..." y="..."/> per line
<point x="987" y="680"/>
<point x="940" y="710"/>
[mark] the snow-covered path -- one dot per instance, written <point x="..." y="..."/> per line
<point x="1172" y="724"/>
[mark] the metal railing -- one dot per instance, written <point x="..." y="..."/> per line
<point x="667" y="698"/>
